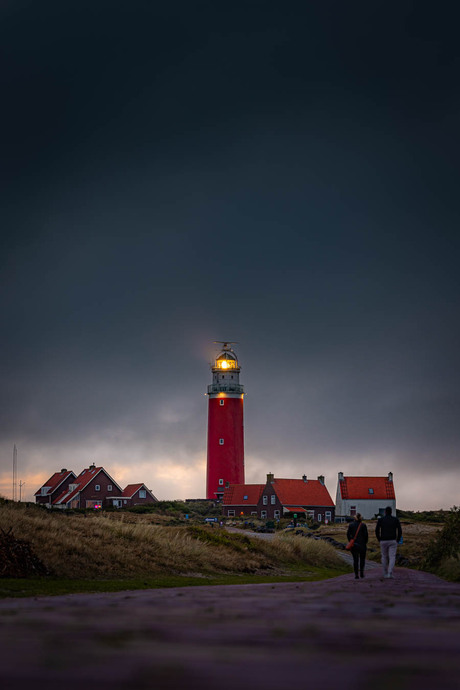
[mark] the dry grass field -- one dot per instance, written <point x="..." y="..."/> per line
<point x="85" y="546"/>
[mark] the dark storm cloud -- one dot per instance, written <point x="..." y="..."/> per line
<point x="283" y="176"/>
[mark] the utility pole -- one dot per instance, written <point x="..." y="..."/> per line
<point x="21" y="484"/>
<point x="15" y="473"/>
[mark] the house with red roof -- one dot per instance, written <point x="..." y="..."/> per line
<point x="278" y="498"/>
<point x="366" y="495"/>
<point x="55" y="486"/>
<point x="137" y="495"/>
<point x="93" y="488"/>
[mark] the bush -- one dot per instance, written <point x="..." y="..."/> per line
<point x="445" y="546"/>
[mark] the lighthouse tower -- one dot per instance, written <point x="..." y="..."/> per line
<point x="225" y="424"/>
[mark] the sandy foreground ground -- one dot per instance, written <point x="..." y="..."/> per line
<point x="339" y="633"/>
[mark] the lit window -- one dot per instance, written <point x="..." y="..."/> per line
<point x="265" y="500"/>
<point x="221" y="442"/>
<point x="142" y="493"/>
<point x="273" y="499"/>
<point x="221" y="401"/>
<point x="109" y="487"/>
<point x="97" y="487"/>
<point x="371" y="491"/>
<point x="221" y="482"/>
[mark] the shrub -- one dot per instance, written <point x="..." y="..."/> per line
<point x="444" y="547"/>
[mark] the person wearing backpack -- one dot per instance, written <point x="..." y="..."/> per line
<point x="357" y="530"/>
<point x="388" y="532"/>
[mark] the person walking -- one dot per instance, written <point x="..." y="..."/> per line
<point x="388" y="532"/>
<point x="357" y="530"/>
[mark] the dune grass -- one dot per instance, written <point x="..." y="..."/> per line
<point x="100" y="548"/>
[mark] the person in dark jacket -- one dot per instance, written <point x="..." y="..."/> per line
<point x="388" y="532"/>
<point x="357" y="530"/>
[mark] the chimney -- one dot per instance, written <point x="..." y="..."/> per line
<point x="63" y="470"/>
<point x="304" y="478"/>
<point x="92" y="467"/>
<point x="321" y="479"/>
<point x="390" y="476"/>
<point x="270" y="478"/>
<point x="340" y="476"/>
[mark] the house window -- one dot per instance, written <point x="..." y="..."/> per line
<point x="44" y="490"/>
<point x="125" y="500"/>
<point x="245" y="498"/>
<point x="221" y="402"/>
<point x="263" y="514"/>
<point x="277" y="514"/>
<point x="328" y="516"/>
<point x="109" y="487"/>
<point x="142" y="493"/>
<point x="253" y="512"/>
<point x="221" y="442"/>
<point x="352" y="511"/>
<point x="221" y="482"/>
<point x="320" y="517"/>
<point x="265" y="500"/>
<point x="97" y="487"/>
<point x="231" y="513"/>
<point x="311" y="514"/>
<point x="371" y="491"/>
<point x="273" y="499"/>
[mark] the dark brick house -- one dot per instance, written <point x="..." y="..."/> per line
<point x="137" y="495"/>
<point x="54" y="487"/>
<point x="280" y="498"/>
<point x="93" y="488"/>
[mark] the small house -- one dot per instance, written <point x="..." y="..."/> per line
<point x="137" y="495"/>
<point x="280" y="498"/>
<point x="55" y="486"/>
<point x="366" y="495"/>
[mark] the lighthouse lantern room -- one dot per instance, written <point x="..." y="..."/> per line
<point x="225" y="424"/>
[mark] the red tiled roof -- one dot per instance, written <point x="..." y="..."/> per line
<point x="296" y="509"/>
<point x="131" y="490"/>
<point x="234" y="495"/>
<point x="358" y="487"/>
<point x="296" y="492"/>
<point x="54" y="481"/>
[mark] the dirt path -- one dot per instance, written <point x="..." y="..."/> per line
<point x="341" y="633"/>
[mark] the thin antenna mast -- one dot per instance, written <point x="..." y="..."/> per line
<point x="15" y="472"/>
<point x="21" y="484"/>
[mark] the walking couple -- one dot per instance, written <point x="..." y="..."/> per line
<point x="388" y="532"/>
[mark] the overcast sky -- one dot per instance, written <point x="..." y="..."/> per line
<point x="281" y="174"/>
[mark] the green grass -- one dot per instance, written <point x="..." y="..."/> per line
<point x="34" y="587"/>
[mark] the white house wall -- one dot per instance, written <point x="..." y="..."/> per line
<point x="367" y="507"/>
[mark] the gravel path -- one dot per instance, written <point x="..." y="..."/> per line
<point x="341" y="633"/>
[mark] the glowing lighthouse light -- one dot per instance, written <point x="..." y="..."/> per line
<point x="225" y="424"/>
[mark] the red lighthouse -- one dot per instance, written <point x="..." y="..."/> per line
<point x="225" y="424"/>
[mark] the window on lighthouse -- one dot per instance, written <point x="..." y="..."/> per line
<point x="221" y="442"/>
